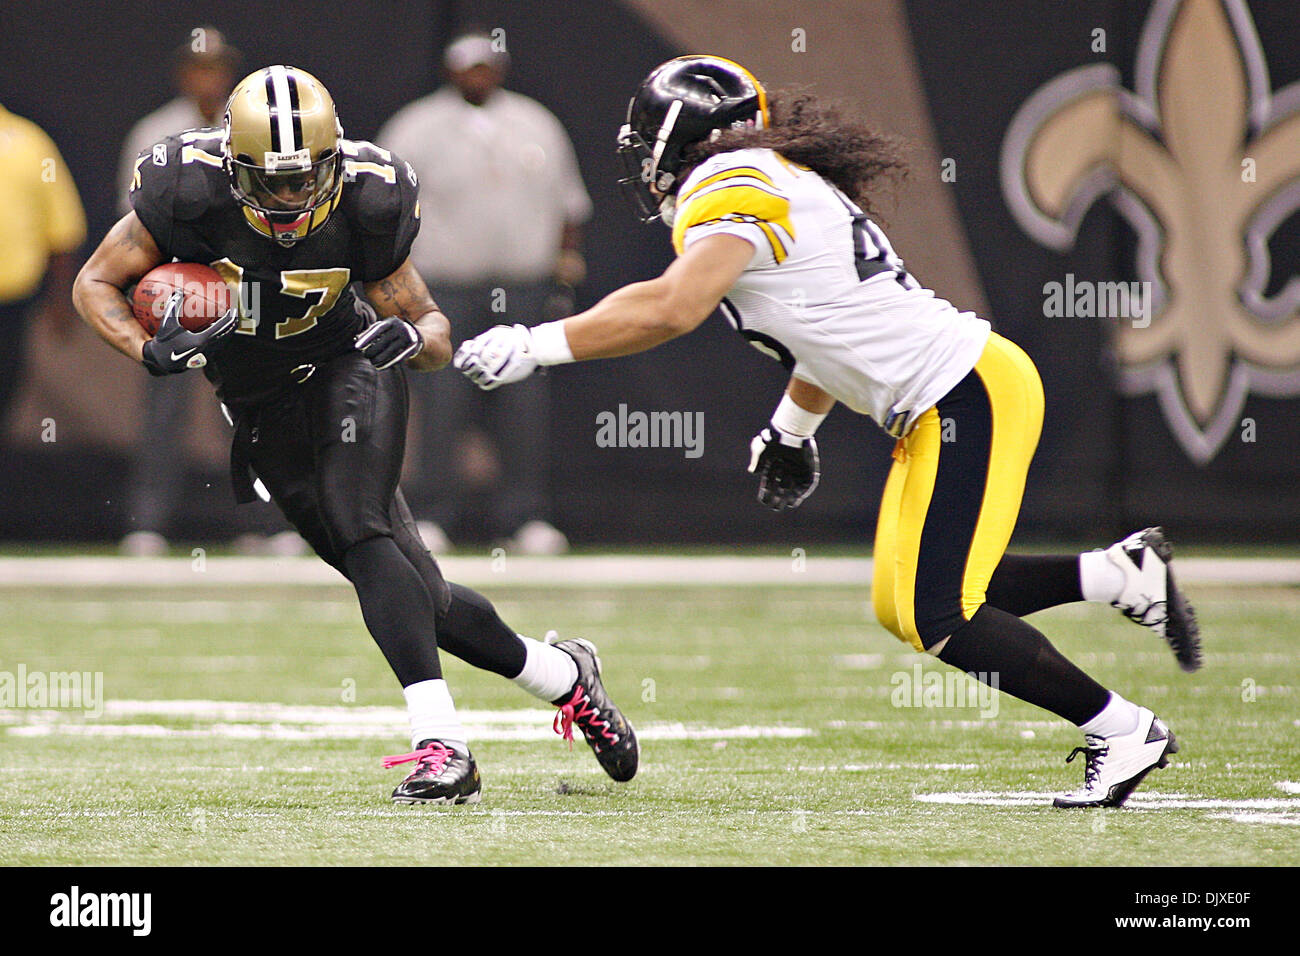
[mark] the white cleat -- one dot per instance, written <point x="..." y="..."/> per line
<point x="434" y="538"/>
<point x="1116" y="765"/>
<point x="286" y="544"/>
<point x="143" y="544"/>
<point x="1151" y="598"/>
<point x="539" y="538"/>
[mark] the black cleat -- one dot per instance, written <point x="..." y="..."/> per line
<point x="1152" y="598"/>
<point x="603" y="724"/>
<point x="441" y="775"/>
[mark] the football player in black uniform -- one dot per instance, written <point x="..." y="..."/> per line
<point x="293" y="216"/>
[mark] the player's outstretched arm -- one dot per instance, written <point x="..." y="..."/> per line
<point x="126" y="254"/>
<point x="404" y="296"/>
<point x="635" y="318"/>
<point x="645" y="314"/>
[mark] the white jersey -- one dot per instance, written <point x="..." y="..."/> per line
<point x="824" y="292"/>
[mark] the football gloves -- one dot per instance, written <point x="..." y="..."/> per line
<point x="390" y="341"/>
<point x="174" y="348"/>
<point x="499" y="356"/>
<point x="788" y="467"/>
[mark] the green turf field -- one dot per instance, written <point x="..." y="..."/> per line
<point x="768" y="715"/>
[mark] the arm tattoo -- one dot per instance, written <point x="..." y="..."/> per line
<point x="128" y="239"/>
<point x="118" y="312"/>
<point x="399" y="296"/>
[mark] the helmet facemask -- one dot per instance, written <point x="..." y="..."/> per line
<point x="640" y="173"/>
<point x="285" y="195"/>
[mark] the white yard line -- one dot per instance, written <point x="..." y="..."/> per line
<point x="581" y="571"/>
<point x="1147" y="801"/>
<point x="1258" y="810"/>
<point x="251" y="720"/>
<point x="312" y="732"/>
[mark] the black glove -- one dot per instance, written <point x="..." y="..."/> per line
<point x="174" y="348"/>
<point x="787" y="466"/>
<point x="390" y="341"/>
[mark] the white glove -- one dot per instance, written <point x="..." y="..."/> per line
<point x="499" y="356"/>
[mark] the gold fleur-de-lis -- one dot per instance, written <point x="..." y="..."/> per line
<point x="1200" y="164"/>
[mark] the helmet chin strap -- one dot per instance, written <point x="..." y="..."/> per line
<point x="295" y="223"/>
<point x="282" y="231"/>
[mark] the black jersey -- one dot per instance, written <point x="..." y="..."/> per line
<point x="298" y="304"/>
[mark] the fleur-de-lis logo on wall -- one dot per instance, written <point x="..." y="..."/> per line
<point x="1203" y="159"/>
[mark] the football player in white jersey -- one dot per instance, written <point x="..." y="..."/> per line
<point x="768" y="209"/>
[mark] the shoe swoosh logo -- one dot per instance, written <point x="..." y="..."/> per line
<point x="177" y="356"/>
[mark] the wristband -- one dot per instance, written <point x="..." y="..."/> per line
<point x="550" y="344"/>
<point x="792" y="419"/>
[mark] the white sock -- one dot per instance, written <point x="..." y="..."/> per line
<point x="1117" y="718"/>
<point x="1100" y="579"/>
<point x="433" y="715"/>
<point x="548" y="672"/>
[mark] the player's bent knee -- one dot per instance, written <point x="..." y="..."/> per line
<point x="933" y="626"/>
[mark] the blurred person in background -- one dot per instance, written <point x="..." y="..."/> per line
<point x="503" y="204"/>
<point x="41" y="225"/>
<point x="204" y="70"/>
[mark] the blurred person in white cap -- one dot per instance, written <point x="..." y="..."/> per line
<point x="503" y="203"/>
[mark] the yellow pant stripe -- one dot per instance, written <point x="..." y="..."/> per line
<point x="1016" y="395"/>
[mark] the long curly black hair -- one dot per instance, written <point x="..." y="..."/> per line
<point x="841" y="149"/>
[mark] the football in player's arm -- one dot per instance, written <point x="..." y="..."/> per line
<point x="769" y="210"/>
<point x="129" y="251"/>
<point x="290" y="215"/>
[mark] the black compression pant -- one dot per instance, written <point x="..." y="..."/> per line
<point x="330" y="453"/>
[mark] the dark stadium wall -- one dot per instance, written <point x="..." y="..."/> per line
<point x="1105" y="451"/>
<point x="943" y="73"/>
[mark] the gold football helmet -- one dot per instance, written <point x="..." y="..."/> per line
<point x="281" y="150"/>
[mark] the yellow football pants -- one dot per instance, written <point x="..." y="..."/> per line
<point x="953" y="495"/>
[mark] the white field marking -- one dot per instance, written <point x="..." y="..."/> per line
<point x="1287" y="819"/>
<point x="868" y="767"/>
<point x="1266" y="809"/>
<point x="1288" y="786"/>
<point x="859" y="662"/>
<point x="240" y="611"/>
<point x="251" y="720"/>
<point x="499" y="770"/>
<point x="583" y="571"/>
<point x="236" y="710"/>
<point x="344" y="732"/>
<point x="945" y="724"/>
<point x="391" y="813"/>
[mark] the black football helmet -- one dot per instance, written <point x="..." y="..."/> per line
<point x="681" y="102"/>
